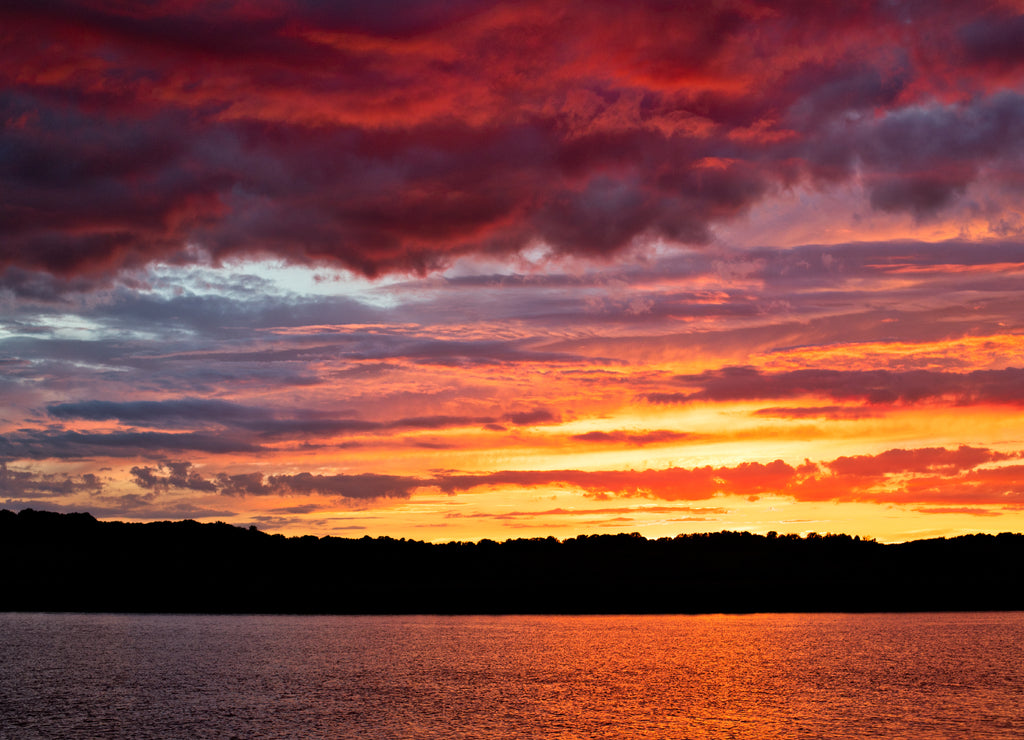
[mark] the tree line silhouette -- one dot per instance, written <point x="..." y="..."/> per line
<point x="73" y="562"/>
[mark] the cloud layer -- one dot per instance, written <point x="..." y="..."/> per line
<point x="434" y="269"/>
<point x="398" y="141"/>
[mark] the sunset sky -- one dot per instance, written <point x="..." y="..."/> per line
<point x="464" y="269"/>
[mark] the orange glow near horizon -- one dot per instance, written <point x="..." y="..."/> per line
<point x="490" y="270"/>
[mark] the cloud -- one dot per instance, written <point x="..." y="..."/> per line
<point x="179" y="475"/>
<point x="41" y="444"/>
<point x="358" y="486"/>
<point x="249" y="424"/>
<point x="921" y="460"/>
<point x="638" y="438"/>
<point x="400" y="143"/>
<point x="932" y="480"/>
<point x="918" y="159"/>
<point x="33" y="486"/>
<point x="243" y="484"/>
<point x="833" y="413"/>
<point x="1000" y="486"/>
<point x="33" y="286"/>
<point x="873" y="387"/>
<point x="165" y="165"/>
<point x="669" y="483"/>
<point x="173" y="412"/>
<point x="923" y="476"/>
<point x="969" y="510"/>
<point x="993" y="42"/>
<point x="531" y="417"/>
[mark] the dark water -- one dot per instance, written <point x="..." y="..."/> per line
<point x="758" y="676"/>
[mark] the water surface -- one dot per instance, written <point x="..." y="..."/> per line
<point x="720" y="676"/>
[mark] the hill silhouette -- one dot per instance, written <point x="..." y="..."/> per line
<point x="73" y="562"/>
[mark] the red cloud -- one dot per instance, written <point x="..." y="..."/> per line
<point x="930" y="479"/>
<point x="907" y="477"/>
<point x="924" y="460"/>
<point x="383" y="140"/>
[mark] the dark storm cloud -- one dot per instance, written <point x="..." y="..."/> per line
<point x="398" y="139"/>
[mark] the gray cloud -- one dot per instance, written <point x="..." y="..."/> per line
<point x="41" y="444"/>
<point x="874" y="387"/>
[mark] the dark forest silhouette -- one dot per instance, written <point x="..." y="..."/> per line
<point x="72" y="562"/>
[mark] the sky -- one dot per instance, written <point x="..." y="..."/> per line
<point x="464" y="270"/>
